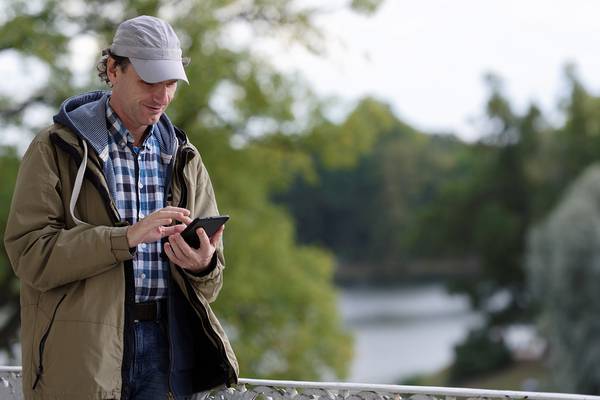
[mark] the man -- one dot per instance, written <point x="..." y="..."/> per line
<point x="107" y="310"/>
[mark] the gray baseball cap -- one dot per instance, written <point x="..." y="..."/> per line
<point x="153" y="48"/>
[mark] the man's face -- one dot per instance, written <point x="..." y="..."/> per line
<point x="136" y="102"/>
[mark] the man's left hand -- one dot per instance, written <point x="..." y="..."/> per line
<point x="194" y="260"/>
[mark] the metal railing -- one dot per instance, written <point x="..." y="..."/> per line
<point x="256" y="389"/>
<point x="10" y="383"/>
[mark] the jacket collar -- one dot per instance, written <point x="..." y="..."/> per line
<point x="85" y="114"/>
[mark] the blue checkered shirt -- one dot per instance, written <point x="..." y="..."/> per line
<point x="140" y="179"/>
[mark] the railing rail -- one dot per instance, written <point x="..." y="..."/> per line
<point x="430" y="391"/>
<point x="258" y="389"/>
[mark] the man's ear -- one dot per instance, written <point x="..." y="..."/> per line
<point x="111" y="70"/>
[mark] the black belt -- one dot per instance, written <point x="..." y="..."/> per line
<point x="150" y="311"/>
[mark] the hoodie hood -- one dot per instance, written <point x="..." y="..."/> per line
<point x="85" y="114"/>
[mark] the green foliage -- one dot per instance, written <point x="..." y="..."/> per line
<point x="366" y="6"/>
<point x="278" y="301"/>
<point x="33" y="32"/>
<point x="564" y="274"/>
<point x="278" y="298"/>
<point x="272" y="303"/>
<point x="9" y="287"/>
<point x="372" y="189"/>
<point x="479" y="354"/>
<point x="341" y="147"/>
<point x="373" y="184"/>
<point x="409" y="196"/>
<point x="487" y="212"/>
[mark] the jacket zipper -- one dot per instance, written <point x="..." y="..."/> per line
<point x="182" y="163"/>
<point x="171" y="391"/>
<point x="210" y="333"/>
<point x="129" y="299"/>
<point x="170" y="394"/>
<point x="40" y="368"/>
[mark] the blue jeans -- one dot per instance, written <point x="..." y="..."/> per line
<point x="149" y="366"/>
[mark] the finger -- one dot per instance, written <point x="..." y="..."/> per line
<point x="162" y="214"/>
<point x="168" y="214"/>
<point x="155" y="223"/>
<point x="172" y="256"/>
<point x="204" y="240"/>
<point x="216" y="237"/>
<point x="174" y="246"/>
<point x="175" y="241"/>
<point x="184" y="211"/>
<point x="183" y="218"/>
<point x="187" y="251"/>
<point x="172" y="230"/>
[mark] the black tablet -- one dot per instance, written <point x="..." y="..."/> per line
<point x="209" y="224"/>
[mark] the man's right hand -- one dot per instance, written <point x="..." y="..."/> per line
<point x="155" y="226"/>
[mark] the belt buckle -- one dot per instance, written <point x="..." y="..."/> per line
<point x="158" y="309"/>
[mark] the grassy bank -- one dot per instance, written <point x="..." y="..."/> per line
<point x="524" y="375"/>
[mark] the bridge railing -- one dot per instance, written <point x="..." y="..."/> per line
<point x="256" y="389"/>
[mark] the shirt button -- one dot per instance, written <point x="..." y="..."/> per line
<point x="141" y="215"/>
<point x="143" y="276"/>
<point x="140" y="185"/>
<point x="143" y="245"/>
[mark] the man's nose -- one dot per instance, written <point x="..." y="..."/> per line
<point x="161" y="94"/>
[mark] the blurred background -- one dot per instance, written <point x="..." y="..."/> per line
<point x="411" y="185"/>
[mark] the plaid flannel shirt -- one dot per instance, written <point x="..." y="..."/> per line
<point x="140" y="179"/>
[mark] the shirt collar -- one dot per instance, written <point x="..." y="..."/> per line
<point x="120" y="133"/>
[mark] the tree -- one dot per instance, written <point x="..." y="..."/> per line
<point x="486" y="214"/>
<point x="278" y="303"/>
<point x="9" y="288"/>
<point x="564" y="273"/>
<point x="370" y="189"/>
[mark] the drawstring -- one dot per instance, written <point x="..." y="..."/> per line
<point x="78" y="184"/>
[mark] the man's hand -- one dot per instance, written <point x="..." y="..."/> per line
<point x="154" y="226"/>
<point x="195" y="260"/>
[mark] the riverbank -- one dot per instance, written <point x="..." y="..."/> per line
<point x="521" y="375"/>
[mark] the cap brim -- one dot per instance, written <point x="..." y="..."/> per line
<point x="153" y="71"/>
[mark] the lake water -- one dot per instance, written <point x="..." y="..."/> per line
<point x="397" y="332"/>
<point x="403" y="331"/>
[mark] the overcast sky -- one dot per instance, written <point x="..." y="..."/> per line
<point x="427" y="58"/>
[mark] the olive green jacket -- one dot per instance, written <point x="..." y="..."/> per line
<point x="73" y="275"/>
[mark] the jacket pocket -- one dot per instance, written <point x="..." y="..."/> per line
<point x="40" y="368"/>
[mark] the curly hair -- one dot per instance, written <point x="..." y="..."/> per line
<point x="102" y="66"/>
